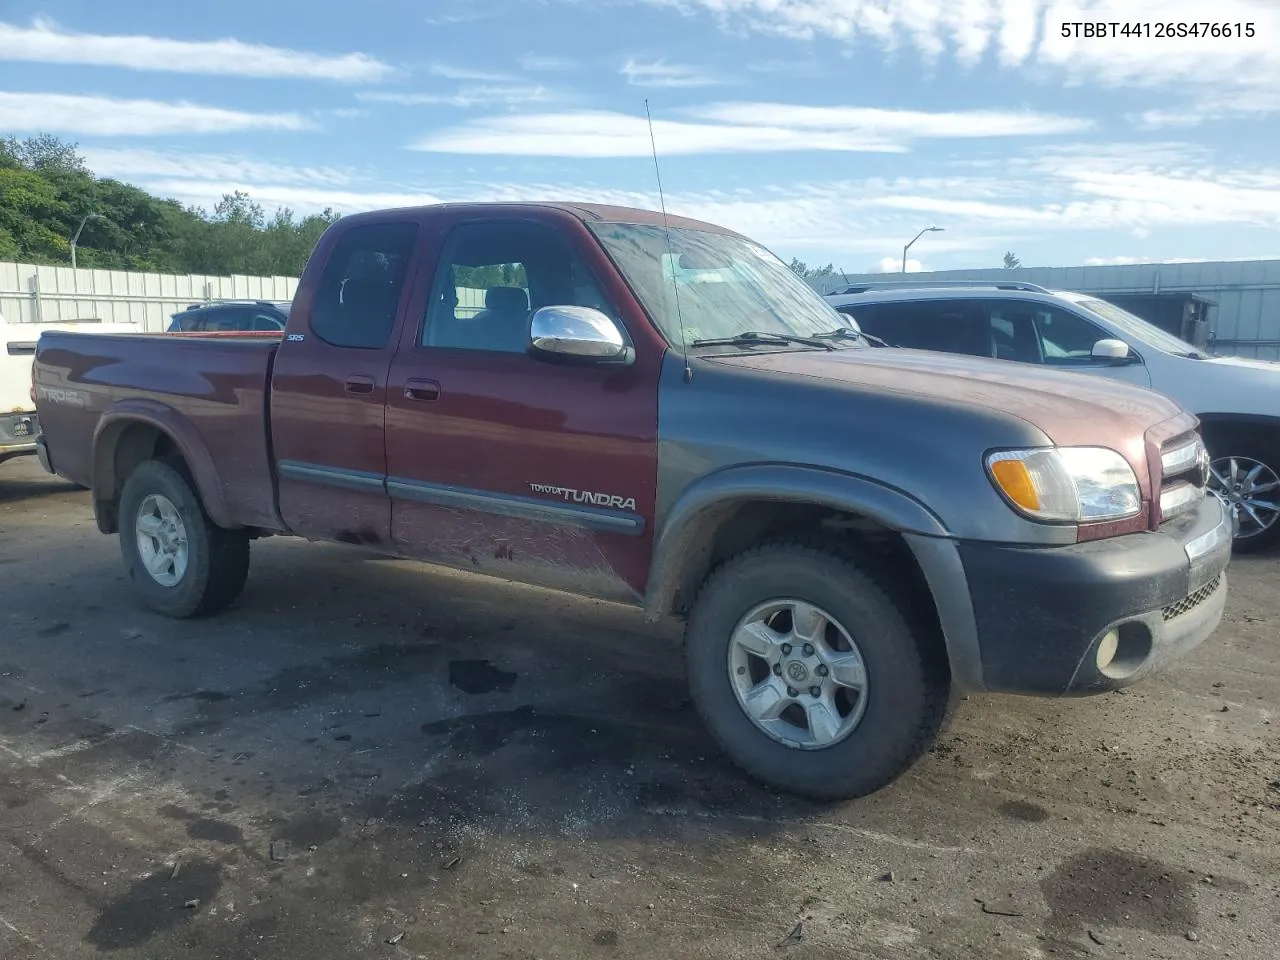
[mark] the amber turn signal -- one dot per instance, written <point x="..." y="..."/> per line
<point x="1015" y="481"/>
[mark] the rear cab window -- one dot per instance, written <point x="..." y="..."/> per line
<point x="359" y="292"/>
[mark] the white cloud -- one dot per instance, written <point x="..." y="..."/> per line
<point x="306" y="199"/>
<point x="894" y="265"/>
<point x="451" y="72"/>
<point x="735" y="128"/>
<point x="124" y="163"/>
<point x="604" y="134"/>
<point x="104" y="116"/>
<point x="45" y="42"/>
<point x="905" y="124"/>
<point x="534" y="62"/>
<point x="467" y="95"/>
<point x="659" y="73"/>
<point x="1215" y="76"/>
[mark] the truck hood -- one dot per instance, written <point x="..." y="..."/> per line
<point x="1069" y="408"/>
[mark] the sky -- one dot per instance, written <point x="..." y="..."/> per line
<point x="828" y="130"/>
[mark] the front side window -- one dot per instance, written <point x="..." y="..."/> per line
<point x="493" y="276"/>
<point x="724" y="285"/>
<point x="359" y="292"/>
<point x="1066" y="339"/>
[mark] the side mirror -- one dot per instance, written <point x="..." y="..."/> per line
<point x="577" y="334"/>
<point x="1112" y="351"/>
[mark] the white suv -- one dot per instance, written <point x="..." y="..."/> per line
<point x="1237" y="400"/>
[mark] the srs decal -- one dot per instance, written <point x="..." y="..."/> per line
<point x="585" y="496"/>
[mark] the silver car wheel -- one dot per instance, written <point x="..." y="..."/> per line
<point x="798" y="674"/>
<point x="1251" y="491"/>
<point x="162" y="540"/>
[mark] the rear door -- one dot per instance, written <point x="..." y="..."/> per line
<point x="329" y="388"/>
<point x="507" y="464"/>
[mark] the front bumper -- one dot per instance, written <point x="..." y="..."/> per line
<point x="1041" y="614"/>
<point x="18" y="433"/>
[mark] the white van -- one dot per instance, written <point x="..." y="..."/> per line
<point x="19" y="426"/>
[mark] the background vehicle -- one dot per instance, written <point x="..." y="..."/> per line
<point x="19" y="423"/>
<point x="851" y="533"/>
<point x="258" y="315"/>
<point x="1237" y="400"/>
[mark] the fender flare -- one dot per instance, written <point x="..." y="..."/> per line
<point x="711" y="498"/>
<point x="178" y="429"/>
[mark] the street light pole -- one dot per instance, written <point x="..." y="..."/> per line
<point x="76" y="236"/>
<point x="913" y="241"/>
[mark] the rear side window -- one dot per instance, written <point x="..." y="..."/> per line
<point x="929" y="325"/>
<point x="359" y="291"/>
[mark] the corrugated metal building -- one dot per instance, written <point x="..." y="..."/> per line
<point x="1236" y="304"/>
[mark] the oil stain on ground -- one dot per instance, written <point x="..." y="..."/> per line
<point x="152" y="905"/>
<point x="205" y="828"/>
<point x="479" y="676"/>
<point x="1025" y="811"/>
<point x="1100" y="887"/>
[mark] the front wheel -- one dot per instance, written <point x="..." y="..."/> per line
<point x="1246" y="477"/>
<point x="810" y="677"/>
<point x="181" y="563"/>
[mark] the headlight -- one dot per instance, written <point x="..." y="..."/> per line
<point x="1067" y="484"/>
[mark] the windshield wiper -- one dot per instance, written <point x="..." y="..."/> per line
<point x="848" y="333"/>
<point x="751" y="338"/>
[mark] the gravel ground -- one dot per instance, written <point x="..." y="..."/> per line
<point x="367" y="758"/>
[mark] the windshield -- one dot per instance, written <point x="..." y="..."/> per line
<point x="1138" y="329"/>
<point x="725" y="285"/>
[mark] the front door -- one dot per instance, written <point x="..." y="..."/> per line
<point x="329" y="389"/>
<point x="1035" y="332"/>
<point x="507" y="464"/>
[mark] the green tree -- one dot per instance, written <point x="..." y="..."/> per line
<point x="46" y="191"/>
<point x="806" y="272"/>
<point x="1011" y="262"/>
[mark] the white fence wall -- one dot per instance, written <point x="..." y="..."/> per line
<point x="31" y="294"/>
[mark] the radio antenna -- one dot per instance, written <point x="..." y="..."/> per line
<point x="666" y="229"/>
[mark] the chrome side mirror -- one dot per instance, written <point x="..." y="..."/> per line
<point x="1111" y="351"/>
<point x="577" y="334"/>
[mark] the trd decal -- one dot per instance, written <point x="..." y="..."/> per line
<point x="610" y="501"/>
<point x="71" y="398"/>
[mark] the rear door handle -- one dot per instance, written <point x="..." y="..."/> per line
<point x="423" y="391"/>
<point x="359" y="386"/>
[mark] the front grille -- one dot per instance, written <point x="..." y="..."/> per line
<point x="1183" y="475"/>
<point x="1192" y="600"/>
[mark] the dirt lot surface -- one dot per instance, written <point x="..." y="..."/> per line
<point x="366" y="758"/>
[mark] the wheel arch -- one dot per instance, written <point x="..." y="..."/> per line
<point x="135" y="431"/>
<point x="743" y="503"/>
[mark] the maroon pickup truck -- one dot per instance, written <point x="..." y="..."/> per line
<point x="593" y="399"/>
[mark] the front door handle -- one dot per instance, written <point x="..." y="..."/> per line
<point x="423" y="391"/>
<point x="359" y="386"/>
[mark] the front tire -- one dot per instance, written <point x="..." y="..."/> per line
<point x="181" y="563"/>
<point x="1246" y="477"/>
<point x="809" y="675"/>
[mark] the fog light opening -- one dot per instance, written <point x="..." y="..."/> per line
<point x="1123" y="650"/>
<point x="1107" y="648"/>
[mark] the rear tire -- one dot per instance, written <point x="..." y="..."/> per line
<point x="181" y="563"/>
<point x="768" y="595"/>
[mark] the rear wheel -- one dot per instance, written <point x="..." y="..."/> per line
<point x="1245" y="474"/>
<point x="181" y="563"/>
<point x="809" y="675"/>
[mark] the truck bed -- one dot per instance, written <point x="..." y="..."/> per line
<point x="216" y="387"/>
